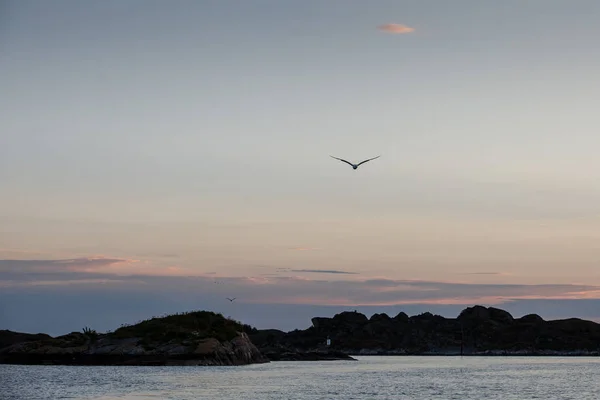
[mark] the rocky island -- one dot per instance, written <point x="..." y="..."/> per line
<point x="206" y="338"/>
<point x="477" y="330"/>
<point x="194" y="338"/>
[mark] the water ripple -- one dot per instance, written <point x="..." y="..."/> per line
<point x="493" y="378"/>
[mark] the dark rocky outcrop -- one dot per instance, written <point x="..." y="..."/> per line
<point x="288" y="354"/>
<point x="275" y="347"/>
<point x="477" y="330"/>
<point x="196" y="338"/>
<point x="8" y="338"/>
<point x="205" y="338"/>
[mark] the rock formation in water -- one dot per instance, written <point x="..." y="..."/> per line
<point x="477" y="330"/>
<point x="195" y="338"/>
<point x="206" y="338"/>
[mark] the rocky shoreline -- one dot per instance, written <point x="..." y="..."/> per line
<point x="477" y="331"/>
<point x="487" y="353"/>
<point x="196" y="338"/>
<point x="79" y="349"/>
<point x="284" y="354"/>
<point x="205" y="338"/>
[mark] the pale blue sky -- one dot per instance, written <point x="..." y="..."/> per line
<point x="194" y="137"/>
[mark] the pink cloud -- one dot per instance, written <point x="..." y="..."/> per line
<point x="396" y="28"/>
<point x="380" y="292"/>
<point x="75" y="282"/>
<point x="87" y="264"/>
<point x="90" y="265"/>
<point x="278" y="289"/>
<point x="100" y="264"/>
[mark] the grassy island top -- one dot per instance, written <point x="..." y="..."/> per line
<point x="185" y="325"/>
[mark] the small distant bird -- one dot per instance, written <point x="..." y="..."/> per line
<point x="354" y="166"/>
<point x="230" y="299"/>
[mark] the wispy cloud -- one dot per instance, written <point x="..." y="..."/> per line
<point x="174" y="281"/>
<point x="396" y="28"/>
<point x="324" y="271"/>
<point x="70" y="264"/>
<point x="269" y="302"/>
<point x="69" y="282"/>
<point x="482" y="273"/>
<point x="100" y="264"/>
<point x="159" y="255"/>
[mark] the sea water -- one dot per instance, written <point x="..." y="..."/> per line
<point x="461" y="378"/>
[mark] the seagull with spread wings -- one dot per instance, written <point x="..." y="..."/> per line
<point x="354" y="166"/>
<point x="230" y="299"/>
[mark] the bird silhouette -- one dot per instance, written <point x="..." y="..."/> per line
<point x="354" y="166"/>
<point x="230" y="299"/>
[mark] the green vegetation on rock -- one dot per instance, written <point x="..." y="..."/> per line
<point x="190" y="338"/>
<point x="182" y="326"/>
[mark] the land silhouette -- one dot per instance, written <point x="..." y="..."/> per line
<point x="477" y="330"/>
<point x="207" y="338"/>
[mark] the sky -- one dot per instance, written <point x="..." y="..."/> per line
<point x="158" y="157"/>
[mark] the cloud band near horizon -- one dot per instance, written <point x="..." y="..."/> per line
<point x="99" y="273"/>
<point x="58" y="296"/>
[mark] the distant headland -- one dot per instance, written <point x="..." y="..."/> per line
<point x="477" y="330"/>
<point x="207" y="338"/>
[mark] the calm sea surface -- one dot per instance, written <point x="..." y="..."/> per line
<point x="369" y="378"/>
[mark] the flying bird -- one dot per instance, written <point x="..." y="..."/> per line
<point x="230" y="299"/>
<point x="354" y="166"/>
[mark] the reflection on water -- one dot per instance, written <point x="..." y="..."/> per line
<point x="370" y="378"/>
